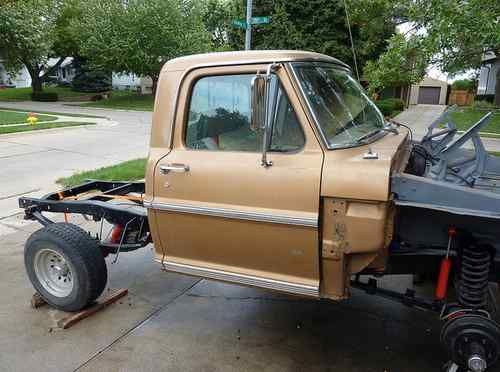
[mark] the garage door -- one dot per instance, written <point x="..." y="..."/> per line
<point x="429" y="95"/>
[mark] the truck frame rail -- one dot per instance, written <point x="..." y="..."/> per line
<point x="118" y="203"/>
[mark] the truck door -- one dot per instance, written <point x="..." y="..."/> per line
<point x="220" y="213"/>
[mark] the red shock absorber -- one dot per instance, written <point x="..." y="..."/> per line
<point x="116" y="234"/>
<point x="445" y="269"/>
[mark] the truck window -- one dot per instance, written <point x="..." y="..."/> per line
<point x="287" y="133"/>
<point x="219" y="117"/>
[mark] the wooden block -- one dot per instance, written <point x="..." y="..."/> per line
<point x="74" y="318"/>
<point x="37" y="301"/>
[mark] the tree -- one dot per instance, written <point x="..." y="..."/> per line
<point x="217" y="17"/>
<point x="137" y="36"/>
<point x="404" y="63"/>
<point x="32" y="32"/>
<point x="317" y="25"/>
<point x="453" y="34"/>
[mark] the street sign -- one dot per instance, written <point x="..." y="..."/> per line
<point x="261" y="20"/>
<point x="240" y="23"/>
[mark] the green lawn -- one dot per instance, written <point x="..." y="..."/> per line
<point x="55" y="113"/>
<point x="23" y="94"/>
<point x="127" y="171"/>
<point x="10" y="117"/>
<point x="29" y="128"/>
<point x="126" y="101"/>
<point x="465" y="117"/>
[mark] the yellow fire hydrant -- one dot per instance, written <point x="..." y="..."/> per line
<point x="32" y="118"/>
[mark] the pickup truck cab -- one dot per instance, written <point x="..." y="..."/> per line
<point x="305" y="214"/>
<point x="274" y="169"/>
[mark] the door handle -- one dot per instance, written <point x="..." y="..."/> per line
<point x="174" y="167"/>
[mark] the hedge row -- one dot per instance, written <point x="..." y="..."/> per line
<point x="44" y="96"/>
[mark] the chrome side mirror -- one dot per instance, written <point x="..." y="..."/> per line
<point x="261" y="110"/>
<point x="259" y="103"/>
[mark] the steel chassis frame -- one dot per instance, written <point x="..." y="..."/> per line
<point x="98" y="205"/>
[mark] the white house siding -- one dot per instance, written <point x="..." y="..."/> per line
<point x="429" y="82"/>
<point x="131" y="82"/>
<point x="20" y="80"/>
<point x="125" y="81"/>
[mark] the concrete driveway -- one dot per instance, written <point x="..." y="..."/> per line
<point x="171" y="322"/>
<point x="419" y="117"/>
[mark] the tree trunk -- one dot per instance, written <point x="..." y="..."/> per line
<point x="154" y="79"/>
<point x="36" y="84"/>
<point x="34" y="71"/>
<point x="497" y="89"/>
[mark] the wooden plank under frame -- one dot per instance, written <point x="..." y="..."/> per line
<point x="73" y="318"/>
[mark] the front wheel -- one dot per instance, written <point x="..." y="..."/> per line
<point x="66" y="266"/>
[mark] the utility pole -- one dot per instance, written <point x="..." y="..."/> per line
<point x="248" y="33"/>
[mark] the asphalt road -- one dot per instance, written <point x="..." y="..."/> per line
<point x="31" y="162"/>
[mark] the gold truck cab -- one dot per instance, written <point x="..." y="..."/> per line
<point x="270" y="169"/>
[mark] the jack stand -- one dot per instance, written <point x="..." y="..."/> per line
<point x="72" y="318"/>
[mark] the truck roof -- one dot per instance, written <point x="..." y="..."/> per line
<point x="247" y="57"/>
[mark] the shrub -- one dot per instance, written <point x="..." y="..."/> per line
<point x="483" y="105"/>
<point x="44" y="96"/>
<point x="389" y="105"/>
<point x="91" y="82"/>
<point x="485" y="97"/>
<point x="465" y="84"/>
<point x="385" y="107"/>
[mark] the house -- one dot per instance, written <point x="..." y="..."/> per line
<point x="20" y="80"/>
<point x="64" y="73"/>
<point x="144" y="85"/>
<point x="429" y="91"/>
<point x="490" y="67"/>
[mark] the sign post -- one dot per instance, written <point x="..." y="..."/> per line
<point x="248" y="33"/>
<point x="246" y="24"/>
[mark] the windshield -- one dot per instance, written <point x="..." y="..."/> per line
<point x="344" y="112"/>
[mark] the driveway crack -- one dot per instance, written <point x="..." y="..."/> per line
<point x="138" y="325"/>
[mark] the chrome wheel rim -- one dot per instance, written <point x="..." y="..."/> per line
<point x="54" y="273"/>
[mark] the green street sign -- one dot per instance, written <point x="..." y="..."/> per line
<point x="261" y="20"/>
<point x="240" y="23"/>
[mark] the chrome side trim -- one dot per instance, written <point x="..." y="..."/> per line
<point x="254" y="281"/>
<point x="235" y="214"/>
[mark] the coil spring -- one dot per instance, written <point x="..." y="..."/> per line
<point x="474" y="275"/>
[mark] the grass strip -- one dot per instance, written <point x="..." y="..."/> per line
<point x="125" y="101"/>
<point x="53" y="113"/>
<point x="130" y="170"/>
<point x="9" y="117"/>
<point x="24" y="94"/>
<point x="42" y="126"/>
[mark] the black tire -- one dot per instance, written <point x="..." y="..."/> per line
<point x="101" y="264"/>
<point x="83" y="266"/>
